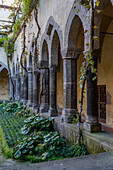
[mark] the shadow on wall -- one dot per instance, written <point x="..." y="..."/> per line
<point x="4" y="85"/>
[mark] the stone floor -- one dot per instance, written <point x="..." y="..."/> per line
<point x="103" y="161"/>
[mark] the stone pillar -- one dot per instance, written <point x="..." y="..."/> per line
<point x="16" y="87"/>
<point x="35" y="89"/>
<point x="44" y="83"/>
<point x="22" y="89"/>
<point x="19" y="87"/>
<point x="30" y="86"/>
<point x="11" y="90"/>
<point x="52" y="89"/>
<point x="25" y="88"/>
<point x="92" y="123"/>
<point x="70" y="57"/>
<point x="14" y="83"/>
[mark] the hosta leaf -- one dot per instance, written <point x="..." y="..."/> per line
<point x="30" y="143"/>
<point x="36" y="137"/>
<point x="24" y="151"/>
<point x="29" y="120"/>
<point x="30" y="147"/>
<point x="45" y="155"/>
<point x="25" y="131"/>
<point x="17" y="154"/>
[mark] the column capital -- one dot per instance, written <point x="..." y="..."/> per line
<point x="36" y="71"/>
<point x="43" y="64"/>
<point x="25" y="75"/>
<point x="71" y="53"/>
<point x="30" y="69"/>
<point x="53" y="66"/>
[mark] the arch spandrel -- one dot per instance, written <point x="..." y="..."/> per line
<point x="2" y="66"/>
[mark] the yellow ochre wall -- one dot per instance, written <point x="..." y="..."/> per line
<point x="105" y="73"/>
<point x="60" y="85"/>
<point x="4" y="85"/>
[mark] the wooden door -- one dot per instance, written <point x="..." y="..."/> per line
<point x="102" y="103"/>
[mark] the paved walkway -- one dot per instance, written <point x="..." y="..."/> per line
<point x="103" y="161"/>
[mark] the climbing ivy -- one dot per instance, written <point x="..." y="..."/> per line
<point x="88" y="64"/>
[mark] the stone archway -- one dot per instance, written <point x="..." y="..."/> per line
<point x="51" y="49"/>
<point x="56" y="76"/>
<point x="44" y="78"/>
<point x="70" y="58"/>
<point x="4" y="82"/>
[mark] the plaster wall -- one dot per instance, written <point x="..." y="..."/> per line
<point x="59" y="11"/>
<point x="105" y="73"/>
<point x="3" y="57"/>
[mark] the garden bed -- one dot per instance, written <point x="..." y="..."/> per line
<point x="31" y="137"/>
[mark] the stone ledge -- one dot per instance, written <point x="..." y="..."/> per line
<point x="95" y="142"/>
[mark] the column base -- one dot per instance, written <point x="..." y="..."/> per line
<point x="44" y="108"/>
<point x="35" y="107"/>
<point x="92" y="127"/>
<point x="53" y="112"/>
<point x="24" y="102"/>
<point x="29" y="104"/>
<point x="68" y="115"/>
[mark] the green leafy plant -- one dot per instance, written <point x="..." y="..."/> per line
<point x="41" y="143"/>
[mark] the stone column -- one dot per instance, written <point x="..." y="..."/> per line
<point x="30" y="86"/>
<point x="22" y="89"/>
<point x="92" y="123"/>
<point x="70" y="57"/>
<point x="19" y="87"/>
<point x="25" y="88"/>
<point x="35" y="89"/>
<point x="44" y="83"/>
<point x="14" y="83"/>
<point x="16" y="87"/>
<point x="11" y="90"/>
<point x="52" y="90"/>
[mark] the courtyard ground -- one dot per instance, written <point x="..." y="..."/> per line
<point x="103" y="161"/>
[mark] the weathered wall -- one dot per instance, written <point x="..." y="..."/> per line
<point x="4" y="85"/>
<point x="105" y="72"/>
<point x="46" y="9"/>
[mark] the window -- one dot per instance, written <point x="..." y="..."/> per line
<point x="102" y="103"/>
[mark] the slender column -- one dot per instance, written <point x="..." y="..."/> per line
<point x="92" y="123"/>
<point x="70" y="57"/>
<point x="19" y="87"/>
<point x="22" y="89"/>
<point x="16" y="87"/>
<point x="30" y="86"/>
<point x="35" y="89"/>
<point x="53" y="96"/>
<point x="44" y="83"/>
<point x="14" y="82"/>
<point x="11" y="90"/>
<point x="25" y="88"/>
